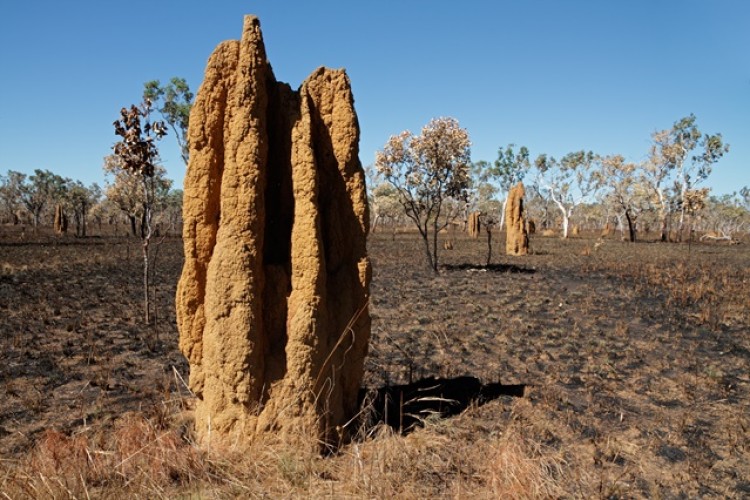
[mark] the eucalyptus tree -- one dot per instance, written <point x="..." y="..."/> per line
<point x="10" y="194"/>
<point x="385" y="205"/>
<point x="725" y="216"/>
<point x="171" y="209"/>
<point x="509" y="169"/>
<point x="745" y="194"/>
<point x="81" y="199"/>
<point x="40" y="190"/>
<point x="569" y="182"/>
<point x="431" y="173"/>
<point x="684" y="156"/>
<point x="625" y="190"/>
<point x="173" y="101"/>
<point x="124" y="189"/>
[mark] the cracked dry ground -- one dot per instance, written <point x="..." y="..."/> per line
<point x="639" y="387"/>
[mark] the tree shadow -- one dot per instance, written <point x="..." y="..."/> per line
<point x="405" y="407"/>
<point x="492" y="268"/>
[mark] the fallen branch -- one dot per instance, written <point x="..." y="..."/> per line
<point x="715" y="238"/>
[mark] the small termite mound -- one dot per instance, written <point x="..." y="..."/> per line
<point x="517" y="239"/>
<point x="474" y="225"/>
<point x="61" y="221"/>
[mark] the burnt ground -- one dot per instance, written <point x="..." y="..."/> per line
<point x="635" y="357"/>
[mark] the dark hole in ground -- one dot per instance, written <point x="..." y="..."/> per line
<point x="404" y="407"/>
<point x="492" y="268"/>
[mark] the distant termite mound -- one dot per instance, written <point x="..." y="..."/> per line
<point x="530" y="226"/>
<point x="61" y="220"/>
<point x="272" y="304"/>
<point x="474" y="224"/>
<point x="517" y="239"/>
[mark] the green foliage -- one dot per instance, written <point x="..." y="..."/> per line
<point x="510" y="167"/>
<point x="568" y="182"/>
<point x="745" y="193"/>
<point x="125" y="189"/>
<point x="10" y="194"/>
<point x="481" y="191"/>
<point x="42" y="188"/>
<point x="683" y="156"/>
<point x="80" y="199"/>
<point x="174" y="102"/>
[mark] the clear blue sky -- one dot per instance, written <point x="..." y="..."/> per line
<point x="556" y="76"/>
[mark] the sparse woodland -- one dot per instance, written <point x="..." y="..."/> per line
<point x="610" y="361"/>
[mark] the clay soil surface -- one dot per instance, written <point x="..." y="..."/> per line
<point x="635" y="357"/>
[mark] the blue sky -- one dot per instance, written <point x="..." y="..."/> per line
<point x="556" y="76"/>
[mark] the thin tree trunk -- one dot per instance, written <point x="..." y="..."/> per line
<point x="83" y="220"/>
<point x="631" y="229"/>
<point x="434" y="246"/>
<point x="145" y="231"/>
<point x="155" y="281"/>
<point x="146" y="236"/>
<point x="502" y="213"/>
<point x="488" y="229"/>
<point x="146" y="302"/>
<point x="425" y="238"/>
<point x="683" y="190"/>
<point x="681" y="227"/>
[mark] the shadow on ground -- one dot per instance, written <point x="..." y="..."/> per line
<point x="406" y="407"/>
<point x="492" y="268"/>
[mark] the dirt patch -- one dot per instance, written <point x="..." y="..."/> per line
<point x="636" y="355"/>
<point x="76" y="354"/>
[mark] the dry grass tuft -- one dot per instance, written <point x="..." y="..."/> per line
<point x="137" y="459"/>
<point x="703" y="292"/>
<point x="134" y="458"/>
<point x="519" y="468"/>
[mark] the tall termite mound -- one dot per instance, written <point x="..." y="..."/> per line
<point x="517" y="239"/>
<point x="272" y="301"/>
<point x="474" y="225"/>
